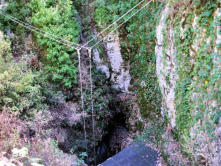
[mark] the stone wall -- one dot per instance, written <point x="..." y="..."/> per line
<point x="188" y="49"/>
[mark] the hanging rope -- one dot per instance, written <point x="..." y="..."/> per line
<point x="82" y="95"/>
<point x="92" y="104"/>
<point x="70" y="44"/>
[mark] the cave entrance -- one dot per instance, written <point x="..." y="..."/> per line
<point x="115" y="138"/>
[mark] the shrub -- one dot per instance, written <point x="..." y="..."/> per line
<point x="57" y="17"/>
<point x="18" y="9"/>
<point x="10" y="127"/>
<point x="18" y="91"/>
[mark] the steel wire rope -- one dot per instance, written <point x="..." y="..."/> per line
<point x="37" y="30"/>
<point x="122" y="23"/>
<point x="113" y="23"/>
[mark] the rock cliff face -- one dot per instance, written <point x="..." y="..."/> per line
<point x="113" y="65"/>
<point x="120" y="73"/>
<point x="188" y="68"/>
<point x="166" y="67"/>
<point x="218" y="64"/>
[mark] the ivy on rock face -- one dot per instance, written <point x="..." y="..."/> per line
<point x="198" y="86"/>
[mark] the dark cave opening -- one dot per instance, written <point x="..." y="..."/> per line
<point x="115" y="133"/>
<point x="110" y="143"/>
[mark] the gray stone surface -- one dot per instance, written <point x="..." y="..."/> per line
<point x="137" y="154"/>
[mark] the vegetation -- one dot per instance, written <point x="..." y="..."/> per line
<point x="202" y="67"/>
<point x="41" y="81"/>
<point x="135" y="35"/>
<point x="18" y="90"/>
<point x="25" y="94"/>
<point x="57" y="17"/>
<point x="198" y="76"/>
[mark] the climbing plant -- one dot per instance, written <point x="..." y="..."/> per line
<point x="200" y="69"/>
<point x="196" y="89"/>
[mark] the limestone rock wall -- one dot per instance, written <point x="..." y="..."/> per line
<point x="120" y="73"/>
<point x="188" y="69"/>
<point x="113" y="64"/>
<point x="166" y="67"/>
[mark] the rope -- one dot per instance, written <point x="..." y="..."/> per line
<point x="92" y="105"/>
<point x="44" y="33"/>
<point x="122" y="23"/>
<point x="113" y="23"/>
<point x="40" y="31"/>
<point x="33" y="27"/>
<point x="82" y="96"/>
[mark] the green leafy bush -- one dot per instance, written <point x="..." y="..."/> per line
<point x="57" y="17"/>
<point x="17" y="89"/>
<point x="18" y="9"/>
